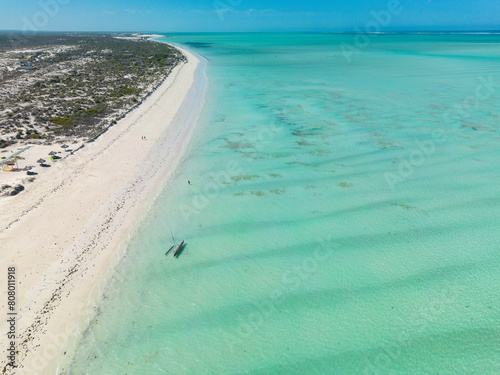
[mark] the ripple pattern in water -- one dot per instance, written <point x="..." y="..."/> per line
<point x="342" y="217"/>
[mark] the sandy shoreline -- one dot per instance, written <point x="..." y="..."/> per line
<point x="68" y="230"/>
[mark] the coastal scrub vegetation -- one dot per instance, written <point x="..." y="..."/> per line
<point x="66" y="86"/>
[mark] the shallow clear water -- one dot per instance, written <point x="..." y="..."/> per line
<point x="342" y="217"/>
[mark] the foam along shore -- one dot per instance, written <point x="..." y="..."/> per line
<point x="66" y="232"/>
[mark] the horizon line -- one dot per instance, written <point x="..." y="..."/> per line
<point x="491" y="31"/>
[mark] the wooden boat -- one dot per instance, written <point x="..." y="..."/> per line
<point x="179" y="249"/>
<point x="169" y="250"/>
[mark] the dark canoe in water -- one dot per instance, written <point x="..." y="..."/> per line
<point x="179" y="249"/>
<point x="169" y="250"/>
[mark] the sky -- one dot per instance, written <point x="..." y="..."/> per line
<point x="169" y="16"/>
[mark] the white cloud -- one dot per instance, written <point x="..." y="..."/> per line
<point x="259" y="11"/>
<point x="135" y="11"/>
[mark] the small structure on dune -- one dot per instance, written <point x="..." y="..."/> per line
<point x="10" y="164"/>
<point x="25" y="64"/>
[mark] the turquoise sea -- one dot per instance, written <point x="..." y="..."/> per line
<point x="343" y="216"/>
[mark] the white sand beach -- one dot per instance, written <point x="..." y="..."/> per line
<point x="69" y="228"/>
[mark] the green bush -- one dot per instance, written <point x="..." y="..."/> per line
<point x="63" y="121"/>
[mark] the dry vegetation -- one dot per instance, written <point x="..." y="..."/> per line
<point x="74" y="86"/>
